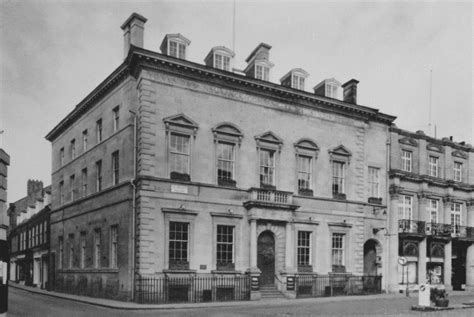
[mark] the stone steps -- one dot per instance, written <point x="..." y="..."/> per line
<point x="270" y="291"/>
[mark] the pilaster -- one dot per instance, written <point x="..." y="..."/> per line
<point x="447" y="265"/>
<point x="470" y="268"/>
<point x="392" y="265"/>
<point x="422" y="262"/>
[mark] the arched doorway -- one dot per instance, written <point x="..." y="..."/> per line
<point x="266" y="257"/>
<point x="372" y="256"/>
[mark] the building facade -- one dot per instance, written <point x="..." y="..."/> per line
<point x="29" y="237"/>
<point x="175" y="168"/>
<point x="432" y="210"/>
<point x="4" y="254"/>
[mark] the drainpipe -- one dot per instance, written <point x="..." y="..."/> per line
<point x="134" y="206"/>
<point x="389" y="221"/>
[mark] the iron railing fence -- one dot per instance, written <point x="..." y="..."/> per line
<point x="314" y="285"/>
<point x="192" y="288"/>
<point x="411" y="226"/>
<point x="462" y="232"/>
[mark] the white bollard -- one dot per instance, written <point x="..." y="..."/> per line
<point x="424" y="295"/>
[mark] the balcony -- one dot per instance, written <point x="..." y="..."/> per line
<point x="438" y="230"/>
<point x="261" y="197"/>
<point x="462" y="232"/>
<point x="412" y="228"/>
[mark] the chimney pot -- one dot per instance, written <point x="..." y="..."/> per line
<point x="133" y="32"/>
<point x="350" y="91"/>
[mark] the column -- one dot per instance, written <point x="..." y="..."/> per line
<point x="470" y="268"/>
<point x="253" y="243"/>
<point x="447" y="265"/>
<point x="253" y="271"/>
<point x="422" y="262"/>
<point x="289" y="253"/>
<point x="470" y="249"/>
<point x="422" y="216"/>
<point x="392" y="267"/>
<point x="288" y="276"/>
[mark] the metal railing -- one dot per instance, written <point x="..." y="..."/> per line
<point x="192" y="288"/>
<point x="462" y="232"/>
<point x="271" y="195"/>
<point x="438" y="229"/>
<point x="313" y="285"/>
<point x="411" y="226"/>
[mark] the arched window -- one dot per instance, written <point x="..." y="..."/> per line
<point x="227" y="138"/>
<point x="180" y="131"/>
<point x="306" y="152"/>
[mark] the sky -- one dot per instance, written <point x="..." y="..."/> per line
<point x="53" y="53"/>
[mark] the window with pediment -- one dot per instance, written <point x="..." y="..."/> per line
<point x="436" y="250"/>
<point x="268" y="149"/>
<point x="408" y="248"/>
<point x="227" y="139"/>
<point x="340" y="158"/>
<point x="180" y="132"/>
<point x="306" y="152"/>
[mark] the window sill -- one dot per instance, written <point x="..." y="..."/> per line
<point x="171" y="271"/>
<point x="305" y="192"/>
<point x="180" y="176"/>
<point x="227" y="183"/>
<point x="339" y="196"/>
<point x="225" y="272"/>
<point x="89" y="270"/>
<point x="375" y="200"/>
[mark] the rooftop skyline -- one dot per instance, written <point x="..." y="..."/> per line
<point x="54" y="53"/>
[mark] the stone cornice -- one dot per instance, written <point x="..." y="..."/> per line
<point x="87" y="103"/>
<point x="4" y="157"/>
<point x="416" y="178"/>
<point x="432" y="140"/>
<point x="139" y="58"/>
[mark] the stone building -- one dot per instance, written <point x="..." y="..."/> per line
<point x="179" y="168"/>
<point x="29" y="237"/>
<point x="4" y="256"/>
<point x="432" y="210"/>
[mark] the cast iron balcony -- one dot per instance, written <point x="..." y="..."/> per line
<point x="438" y="230"/>
<point x="462" y="232"/>
<point x="271" y="198"/>
<point x="411" y="227"/>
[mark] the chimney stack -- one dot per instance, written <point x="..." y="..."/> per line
<point x="350" y="91"/>
<point x="133" y="30"/>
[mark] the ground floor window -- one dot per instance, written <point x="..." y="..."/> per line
<point x="408" y="273"/>
<point x="178" y="245"/>
<point x="338" y="249"/>
<point x="304" y="249"/>
<point x="225" y="247"/>
<point x="434" y="272"/>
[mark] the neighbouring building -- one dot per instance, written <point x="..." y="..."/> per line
<point x="29" y="237"/>
<point x="173" y="171"/>
<point x="432" y="209"/>
<point x="4" y="255"/>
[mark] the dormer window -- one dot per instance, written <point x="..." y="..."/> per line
<point x="219" y="57"/>
<point x="295" y="78"/>
<point x="177" y="50"/>
<point x="331" y="91"/>
<point x="262" y="72"/>
<point x="258" y="63"/>
<point x="175" y="45"/>
<point x="297" y="82"/>
<point x="328" y="88"/>
<point x="222" y="62"/>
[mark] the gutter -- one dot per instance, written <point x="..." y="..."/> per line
<point x="134" y="205"/>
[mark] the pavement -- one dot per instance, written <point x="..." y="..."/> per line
<point x="107" y="303"/>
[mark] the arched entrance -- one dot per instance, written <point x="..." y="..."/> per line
<point x="372" y="256"/>
<point x="266" y="257"/>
